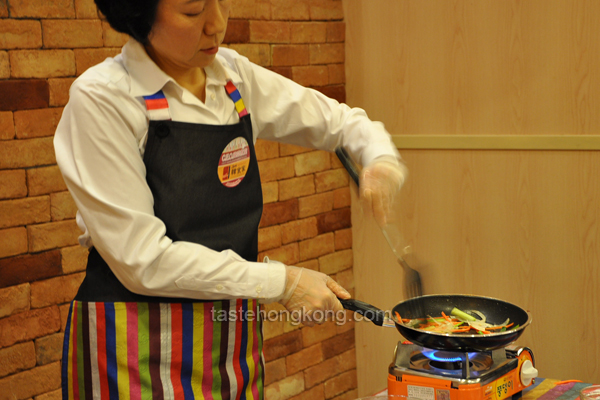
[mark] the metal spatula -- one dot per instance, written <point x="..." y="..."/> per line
<point x="412" y="278"/>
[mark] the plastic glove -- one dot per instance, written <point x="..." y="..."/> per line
<point x="308" y="291"/>
<point x="380" y="181"/>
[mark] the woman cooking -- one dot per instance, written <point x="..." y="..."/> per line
<point x="156" y="147"/>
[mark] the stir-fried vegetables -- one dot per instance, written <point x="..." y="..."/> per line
<point x="458" y="322"/>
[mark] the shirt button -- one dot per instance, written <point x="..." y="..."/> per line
<point x="258" y="289"/>
<point x="219" y="287"/>
<point x="212" y="96"/>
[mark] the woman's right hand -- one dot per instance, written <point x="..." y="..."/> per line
<point x="307" y="291"/>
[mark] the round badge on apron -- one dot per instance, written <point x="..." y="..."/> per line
<point x="234" y="162"/>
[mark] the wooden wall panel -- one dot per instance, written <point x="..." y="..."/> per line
<point x="476" y="67"/>
<point x="519" y="225"/>
<point x="516" y="225"/>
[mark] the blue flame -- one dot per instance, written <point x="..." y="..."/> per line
<point x="445" y="356"/>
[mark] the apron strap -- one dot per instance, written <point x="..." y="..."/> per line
<point x="235" y="96"/>
<point x="158" y="107"/>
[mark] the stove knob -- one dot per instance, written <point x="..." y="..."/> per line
<point x="528" y="372"/>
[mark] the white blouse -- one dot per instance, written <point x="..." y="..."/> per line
<point x="100" y="142"/>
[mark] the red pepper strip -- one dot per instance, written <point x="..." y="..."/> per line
<point x="446" y="317"/>
<point x="500" y="327"/>
<point x="465" y="329"/>
<point x="400" y="318"/>
<point x="567" y="381"/>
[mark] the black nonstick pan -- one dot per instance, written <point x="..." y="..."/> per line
<point x="496" y="312"/>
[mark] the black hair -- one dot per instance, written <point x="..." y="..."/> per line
<point x="132" y="17"/>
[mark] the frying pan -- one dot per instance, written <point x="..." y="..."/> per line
<point x="496" y="312"/>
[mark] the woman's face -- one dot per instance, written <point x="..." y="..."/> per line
<point x="187" y="33"/>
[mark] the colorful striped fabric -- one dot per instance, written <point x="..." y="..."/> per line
<point x="163" y="351"/>
<point x="234" y="94"/>
<point x="550" y="389"/>
<point x="157" y="106"/>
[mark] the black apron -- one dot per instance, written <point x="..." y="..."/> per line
<point x="182" y="169"/>
<point x="122" y="345"/>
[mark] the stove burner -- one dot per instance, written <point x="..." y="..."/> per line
<point x="445" y="356"/>
<point x="445" y="360"/>
<point x="459" y="367"/>
<point x="451" y="363"/>
<point x="446" y="365"/>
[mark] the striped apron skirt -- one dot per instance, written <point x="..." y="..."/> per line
<point x="138" y="351"/>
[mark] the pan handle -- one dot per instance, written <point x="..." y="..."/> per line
<point x="348" y="163"/>
<point x="370" y="312"/>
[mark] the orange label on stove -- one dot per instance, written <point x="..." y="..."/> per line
<point x="234" y="162"/>
<point x="503" y="388"/>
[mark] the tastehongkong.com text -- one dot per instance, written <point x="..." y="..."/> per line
<point x="294" y="317"/>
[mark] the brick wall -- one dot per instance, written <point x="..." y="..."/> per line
<point x="44" y="45"/>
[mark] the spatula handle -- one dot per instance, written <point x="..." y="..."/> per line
<point x="348" y="163"/>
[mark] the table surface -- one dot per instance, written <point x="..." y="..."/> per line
<point x="548" y="389"/>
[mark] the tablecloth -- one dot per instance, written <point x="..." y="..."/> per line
<point x="548" y="389"/>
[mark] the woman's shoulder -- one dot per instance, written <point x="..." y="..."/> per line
<point x="232" y="61"/>
<point x="229" y="57"/>
<point x="110" y="75"/>
<point x="106" y="88"/>
<point x="247" y="71"/>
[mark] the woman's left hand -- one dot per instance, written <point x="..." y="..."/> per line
<point x="380" y="181"/>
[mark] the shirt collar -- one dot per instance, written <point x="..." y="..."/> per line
<point x="147" y="78"/>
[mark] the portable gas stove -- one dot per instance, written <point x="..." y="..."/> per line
<point x="427" y="374"/>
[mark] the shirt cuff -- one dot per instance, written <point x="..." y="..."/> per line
<point x="263" y="281"/>
<point x="274" y="288"/>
